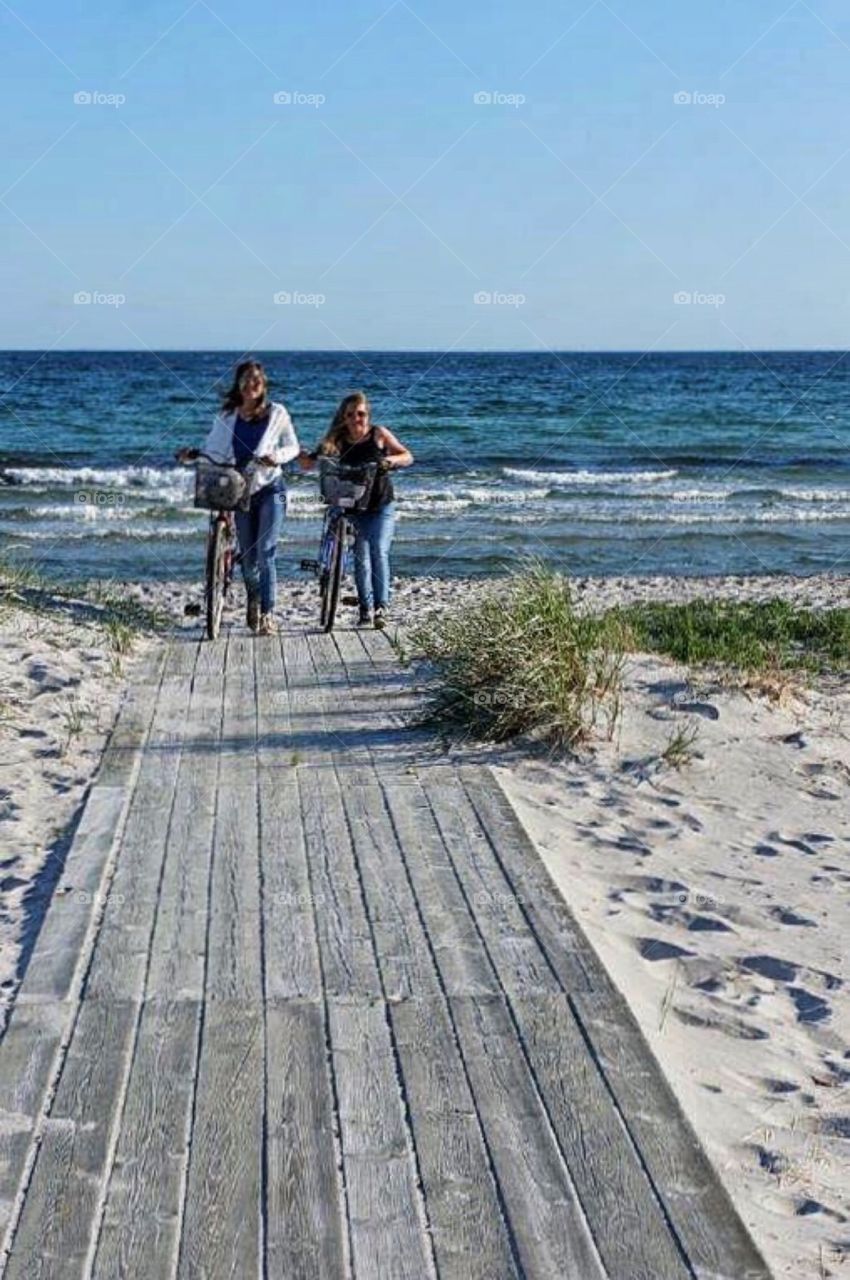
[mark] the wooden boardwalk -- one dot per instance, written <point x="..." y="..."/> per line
<point x="306" y="1004"/>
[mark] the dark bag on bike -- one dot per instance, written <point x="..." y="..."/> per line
<point x="347" y="487"/>
<point x="220" y="488"/>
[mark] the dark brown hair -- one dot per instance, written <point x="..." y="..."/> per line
<point x="233" y="399"/>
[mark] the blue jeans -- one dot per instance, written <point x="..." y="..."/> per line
<point x="258" y="530"/>
<point x="372" y="555"/>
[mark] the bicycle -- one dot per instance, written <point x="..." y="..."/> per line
<point x="345" y="489"/>
<point x="220" y="489"/>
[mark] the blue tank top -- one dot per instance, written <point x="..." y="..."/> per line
<point x="246" y="438"/>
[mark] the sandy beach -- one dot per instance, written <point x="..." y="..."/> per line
<point x="714" y="888"/>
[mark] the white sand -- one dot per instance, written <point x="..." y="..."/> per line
<point x="718" y="896"/>
<point x="59" y="692"/>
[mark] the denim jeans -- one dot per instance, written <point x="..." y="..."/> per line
<point x="372" y="555"/>
<point x="258" y="530"/>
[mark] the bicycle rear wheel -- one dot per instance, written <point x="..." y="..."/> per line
<point x="217" y="552"/>
<point x="333" y="578"/>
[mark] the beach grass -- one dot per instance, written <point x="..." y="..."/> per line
<point x="747" y="637"/>
<point x="523" y="661"/>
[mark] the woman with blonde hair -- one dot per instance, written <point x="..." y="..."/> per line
<point x="353" y="439"/>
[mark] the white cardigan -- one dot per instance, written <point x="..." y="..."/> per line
<point x="279" y="441"/>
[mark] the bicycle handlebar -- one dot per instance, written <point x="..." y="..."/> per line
<point x="255" y="457"/>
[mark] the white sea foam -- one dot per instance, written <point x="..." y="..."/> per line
<point x="156" y="479"/>
<point x="560" y="479"/>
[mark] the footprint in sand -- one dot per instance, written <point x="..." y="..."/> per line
<point x="786" y="916"/>
<point x="656" y="949"/>
<point x="736" y="1028"/>
<point x="810" y="1008"/>
<point x="770" y="967"/>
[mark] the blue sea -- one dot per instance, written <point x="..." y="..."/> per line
<point x="706" y="463"/>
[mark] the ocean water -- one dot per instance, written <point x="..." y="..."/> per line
<point x="705" y="463"/>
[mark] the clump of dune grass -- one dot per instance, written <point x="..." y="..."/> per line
<point x="770" y="638"/>
<point x="679" y="750"/>
<point x="523" y="661"/>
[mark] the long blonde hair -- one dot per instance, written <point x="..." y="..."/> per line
<point x="334" y="437"/>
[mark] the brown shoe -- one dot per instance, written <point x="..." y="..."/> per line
<point x="268" y="625"/>
<point x="253" y="618"/>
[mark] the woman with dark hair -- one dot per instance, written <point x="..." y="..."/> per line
<point x="250" y="425"/>
<point x="353" y="439"/>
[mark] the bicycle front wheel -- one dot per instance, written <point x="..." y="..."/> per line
<point x="217" y="551"/>
<point x="333" y="578"/>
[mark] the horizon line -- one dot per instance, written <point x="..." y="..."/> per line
<point x="461" y="351"/>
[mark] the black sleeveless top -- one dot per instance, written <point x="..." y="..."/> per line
<point x="361" y="452"/>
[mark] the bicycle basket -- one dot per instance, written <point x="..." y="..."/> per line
<point x="347" y="487"/>
<point x="220" y="488"/>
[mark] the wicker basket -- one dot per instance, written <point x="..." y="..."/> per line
<point x="220" y="488"/>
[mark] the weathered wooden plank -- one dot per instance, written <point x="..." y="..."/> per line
<point x="307" y="1234"/>
<point x="221" y="1232"/>
<point x="178" y="950"/>
<point x="123" y="944"/>
<point x="28" y="1054"/>
<point x="550" y="1230"/>
<point x="514" y="951"/>
<point x="345" y="940"/>
<point x="567" y="949"/>
<point x="342" y="733"/>
<point x="118" y="762"/>
<point x="142" y="1215"/>
<point x="710" y="1232"/>
<point x="404" y="957"/>
<point x="274" y="728"/>
<point x="631" y="1232"/>
<point x="211" y="656"/>
<point x="463" y="964"/>
<point x="53" y="1234"/>
<point x="140" y="1227"/>
<point x="292" y="967"/>
<point x="386" y="1215"/>
<point x="394" y="803"/>
<point x="78" y="899"/>
<point x="468" y="1228"/>
<point x="221" y="1223"/>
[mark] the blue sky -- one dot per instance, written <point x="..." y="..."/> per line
<point x="382" y="198"/>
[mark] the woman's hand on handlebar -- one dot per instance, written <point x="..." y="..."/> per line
<point x="306" y="459"/>
<point x="187" y="455"/>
